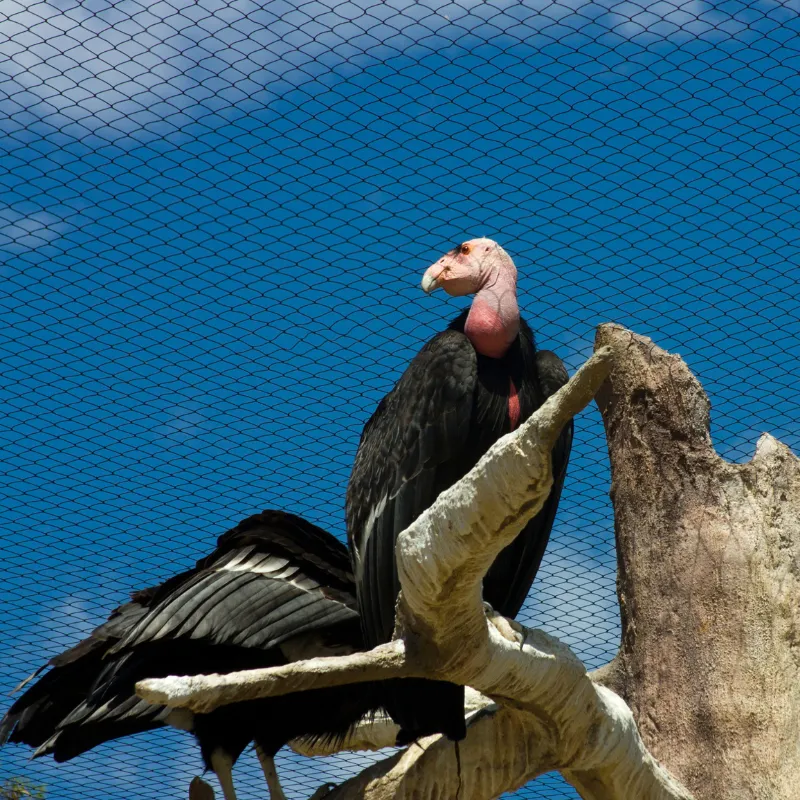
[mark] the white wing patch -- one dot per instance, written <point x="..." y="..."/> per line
<point x="280" y="569"/>
<point x="374" y="513"/>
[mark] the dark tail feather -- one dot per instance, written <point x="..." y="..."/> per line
<point x="422" y="707"/>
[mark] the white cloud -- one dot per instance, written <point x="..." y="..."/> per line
<point x="63" y="625"/>
<point x="20" y="232"/>
<point x="79" y="613"/>
<point x="183" y="423"/>
<point x="145" y="67"/>
<point x="662" y="18"/>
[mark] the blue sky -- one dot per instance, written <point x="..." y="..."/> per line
<point x="213" y="220"/>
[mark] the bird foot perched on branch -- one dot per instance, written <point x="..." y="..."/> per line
<point x="509" y="629"/>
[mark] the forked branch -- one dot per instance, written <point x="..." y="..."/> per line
<point x="557" y="717"/>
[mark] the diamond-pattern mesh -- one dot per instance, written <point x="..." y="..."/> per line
<point x="214" y="217"/>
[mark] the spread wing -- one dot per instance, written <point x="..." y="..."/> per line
<point x="272" y="578"/>
<point x="274" y="582"/>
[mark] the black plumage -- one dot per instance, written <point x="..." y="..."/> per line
<point x="447" y="409"/>
<point x="276" y="589"/>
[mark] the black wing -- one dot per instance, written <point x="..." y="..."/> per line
<point x="510" y="577"/>
<point x="111" y="709"/>
<point x="275" y="588"/>
<point x="34" y="716"/>
<point x="445" y="412"/>
<point x="410" y="451"/>
<point x="272" y="578"/>
<point x="412" y="448"/>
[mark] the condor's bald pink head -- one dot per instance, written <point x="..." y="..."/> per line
<point x="470" y="267"/>
<point x="481" y="267"/>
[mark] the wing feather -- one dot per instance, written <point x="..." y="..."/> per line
<point x="405" y="458"/>
<point x="273" y="579"/>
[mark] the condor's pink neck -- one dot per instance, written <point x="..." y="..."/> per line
<point x="493" y="320"/>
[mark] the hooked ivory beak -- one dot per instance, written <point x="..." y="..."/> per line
<point x="430" y="282"/>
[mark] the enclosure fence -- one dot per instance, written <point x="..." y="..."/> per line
<point x="213" y="221"/>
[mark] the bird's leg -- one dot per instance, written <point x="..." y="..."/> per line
<point x="270" y="774"/>
<point x="222" y="764"/>
<point x="508" y="628"/>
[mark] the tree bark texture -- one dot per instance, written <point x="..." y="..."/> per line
<point x="708" y="582"/>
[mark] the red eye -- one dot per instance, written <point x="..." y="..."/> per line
<point x="465" y="248"/>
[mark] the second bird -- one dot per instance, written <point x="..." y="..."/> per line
<point x="467" y="387"/>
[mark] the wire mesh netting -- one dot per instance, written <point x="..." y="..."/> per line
<point x="214" y="218"/>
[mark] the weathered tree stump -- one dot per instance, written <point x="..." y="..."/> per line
<point x="708" y="582"/>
